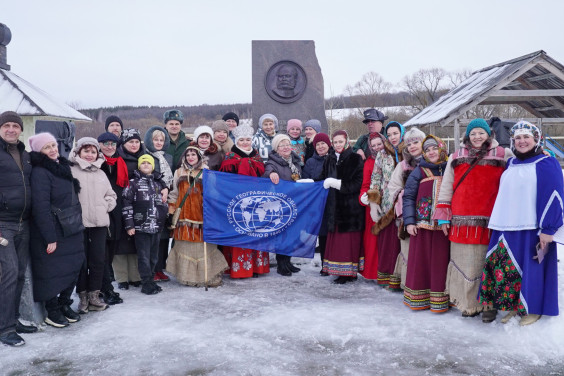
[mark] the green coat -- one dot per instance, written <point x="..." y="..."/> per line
<point x="176" y="149"/>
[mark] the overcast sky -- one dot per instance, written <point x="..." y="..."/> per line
<point x="174" y="52"/>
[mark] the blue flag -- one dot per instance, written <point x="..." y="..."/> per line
<point x="248" y="212"/>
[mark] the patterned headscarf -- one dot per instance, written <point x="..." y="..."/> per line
<point x="431" y="140"/>
<point x="524" y="127"/>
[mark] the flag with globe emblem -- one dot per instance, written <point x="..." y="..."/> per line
<point x="249" y="212"/>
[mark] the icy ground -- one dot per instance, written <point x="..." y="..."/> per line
<point x="274" y="325"/>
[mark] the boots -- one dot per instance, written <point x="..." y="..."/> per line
<point x="149" y="288"/>
<point x="95" y="304"/>
<point x="290" y="266"/>
<point x="83" y="303"/>
<point x="111" y="297"/>
<point x="529" y="319"/>
<point x="282" y="267"/>
<point x="489" y="316"/>
<point x="508" y="317"/>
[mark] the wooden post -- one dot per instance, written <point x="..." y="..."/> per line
<point x="456" y="134"/>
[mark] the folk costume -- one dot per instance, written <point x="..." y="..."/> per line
<point x="529" y="202"/>
<point x="186" y="259"/>
<point x="244" y="262"/>
<point x="370" y="241"/>
<point x="468" y="192"/>
<point x="429" y="249"/>
<point x="395" y="192"/>
<point x="344" y="252"/>
<point x="382" y="210"/>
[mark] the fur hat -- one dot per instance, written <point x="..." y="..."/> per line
<point x="294" y="123"/>
<point x="201" y="130"/>
<point x="413" y="134"/>
<point x="113" y="119"/>
<point x="130" y="134"/>
<point x="220" y="125"/>
<point x="269" y="117"/>
<point x="321" y="137"/>
<point x="478" y="123"/>
<point x="146" y="158"/>
<point x="107" y="136"/>
<point x="279" y="138"/>
<point x="313" y="123"/>
<point x="173" y="115"/>
<point x="11" y="117"/>
<point x="242" y="131"/>
<point x="38" y="141"/>
<point x="231" y="116"/>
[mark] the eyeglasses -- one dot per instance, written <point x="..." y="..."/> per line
<point x="109" y="144"/>
<point x="284" y="146"/>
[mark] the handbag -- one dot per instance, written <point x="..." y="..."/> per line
<point x="70" y="219"/>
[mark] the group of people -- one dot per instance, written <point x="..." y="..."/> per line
<point x="446" y="231"/>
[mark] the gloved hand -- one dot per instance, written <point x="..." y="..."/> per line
<point x="304" y="181"/>
<point x="364" y="198"/>
<point x="332" y="183"/>
<point x="375" y="211"/>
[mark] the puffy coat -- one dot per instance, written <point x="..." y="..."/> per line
<point x="314" y="167"/>
<point x="97" y="197"/>
<point x="277" y="164"/>
<point x="15" y="189"/>
<point x="52" y="185"/>
<point x="343" y="211"/>
<point x="263" y="143"/>
<point x="143" y="208"/>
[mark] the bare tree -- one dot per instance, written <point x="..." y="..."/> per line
<point x="367" y="92"/>
<point x="425" y="86"/>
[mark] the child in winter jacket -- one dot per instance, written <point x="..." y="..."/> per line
<point x="144" y="213"/>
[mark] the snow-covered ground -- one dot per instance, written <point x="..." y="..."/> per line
<point x="274" y="325"/>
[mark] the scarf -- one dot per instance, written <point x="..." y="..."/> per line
<point x="165" y="168"/>
<point x="122" y="179"/>
<point x="293" y="167"/>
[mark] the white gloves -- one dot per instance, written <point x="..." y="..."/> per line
<point x="375" y="211"/>
<point x="304" y="181"/>
<point x="332" y="183"/>
<point x="364" y="198"/>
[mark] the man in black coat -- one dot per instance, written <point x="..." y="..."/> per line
<point x="15" y="205"/>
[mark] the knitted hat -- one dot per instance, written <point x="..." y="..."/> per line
<point x="84" y="141"/>
<point x="201" y="130"/>
<point x="130" y="134"/>
<point x="413" y="134"/>
<point x="232" y="116"/>
<point x="243" y="131"/>
<point x="478" y="123"/>
<point x="269" y="117"/>
<point x="38" y="141"/>
<point x="10" y="117"/>
<point x="277" y="139"/>
<point x="220" y="125"/>
<point x="321" y="137"/>
<point x="294" y="123"/>
<point x="173" y="115"/>
<point x="146" y="158"/>
<point x="313" y="123"/>
<point x="107" y="136"/>
<point x="113" y="119"/>
<point x="340" y="132"/>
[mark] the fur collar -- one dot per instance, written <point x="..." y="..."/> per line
<point x="389" y="149"/>
<point x="60" y="169"/>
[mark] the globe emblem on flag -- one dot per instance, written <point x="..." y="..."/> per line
<point x="262" y="214"/>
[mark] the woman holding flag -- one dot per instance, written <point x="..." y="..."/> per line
<point x="189" y="260"/>
<point x="244" y="160"/>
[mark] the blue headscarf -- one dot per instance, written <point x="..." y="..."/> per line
<point x="402" y="132"/>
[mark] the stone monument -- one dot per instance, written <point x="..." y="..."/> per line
<point x="287" y="82"/>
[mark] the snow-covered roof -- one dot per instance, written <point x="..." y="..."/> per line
<point x="16" y="94"/>
<point x="534" y="81"/>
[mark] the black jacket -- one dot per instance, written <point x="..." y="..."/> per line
<point x="15" y="189"/>
<point x="52" y="185"/>
<point x="116" y="226"/>
<point x="343" y="212"/>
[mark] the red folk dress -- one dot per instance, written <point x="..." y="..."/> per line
<point x="244" y="262"/>
<point x="370" y="240"/>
